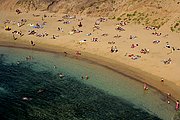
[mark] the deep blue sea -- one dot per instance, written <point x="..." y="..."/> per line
<point x="33" y="90"/>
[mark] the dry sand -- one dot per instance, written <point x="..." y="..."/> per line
<point x="149" y="68"/>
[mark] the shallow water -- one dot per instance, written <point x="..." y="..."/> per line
<point x="105" y="95"/>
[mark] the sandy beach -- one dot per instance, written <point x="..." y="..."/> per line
<point x="140" y="54"/>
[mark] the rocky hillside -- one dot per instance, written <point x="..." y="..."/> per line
<point x="147" y="12"/>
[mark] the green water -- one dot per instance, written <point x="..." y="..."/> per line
<point x="105" y="95"/>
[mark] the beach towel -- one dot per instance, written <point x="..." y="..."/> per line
<point x="38" y="26"/>
<point x="71" y="33"/>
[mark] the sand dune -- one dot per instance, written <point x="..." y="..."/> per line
<point x="145" y="12"/>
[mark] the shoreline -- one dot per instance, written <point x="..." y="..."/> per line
<point x="128" y="71"/>
<point x="149" y="68"/>
<point x="151" y="95"/>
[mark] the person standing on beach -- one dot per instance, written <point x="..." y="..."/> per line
<point x="177" y="105"/>
<point x="145" y="86"/>
<point x="32" y="43"/>
<point x="162" y="80"/>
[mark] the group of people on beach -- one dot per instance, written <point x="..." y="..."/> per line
<point x="67" y="20"/>
<point x="114" y="49"/>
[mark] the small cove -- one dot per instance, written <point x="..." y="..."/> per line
<point x="102" y="83"/>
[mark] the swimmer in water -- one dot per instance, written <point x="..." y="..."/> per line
<point x="87" y="77"/>
<point x="26" y="99"/>
<point x="29" y="58"/>
<point x="55" y="67"/>
<point x="18" y="62"/>
<point x="168" y="97"/>
<point x="40" y="91"/>
<point x="61" y="75"/>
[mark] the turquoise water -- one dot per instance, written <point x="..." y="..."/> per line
<point x="33" y="90"/>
